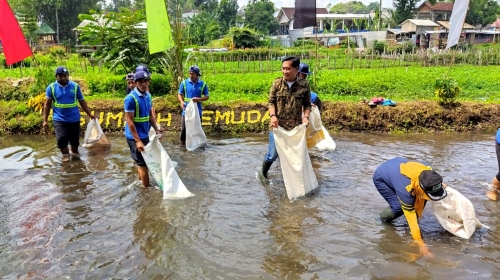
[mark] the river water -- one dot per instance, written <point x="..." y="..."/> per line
<point x="91" y="218"/>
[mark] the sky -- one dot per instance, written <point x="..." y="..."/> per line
<point x="319" y="3"/>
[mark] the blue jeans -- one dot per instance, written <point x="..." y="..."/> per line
<point x="272" y="153"/>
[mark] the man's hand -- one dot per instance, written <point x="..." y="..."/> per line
<point x="139" y="145"/>
<point x="45" y="127"/>
<point x="274" y="121"/>
<point x="424" y="251"/>
<point x="91" y="116"/>
<point x="305" y="121"/>
<point x="182" y="105"/>
<point x="195" y="99"/>
<point x="159" y="132"/>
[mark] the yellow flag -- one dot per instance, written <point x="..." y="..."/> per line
<point x="159" y="33"/>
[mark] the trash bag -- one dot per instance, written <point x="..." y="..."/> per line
<point x="295" y="162"/>
<point x="163" y="171"/>
<point x="94" y="135"/>
<point x="195" y="137"/>
<point x="314" y="134"/>
<point x="456" y="214"/>
<point x="327" y="144"/>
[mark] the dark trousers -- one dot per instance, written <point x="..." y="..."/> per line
<point x="67" y="133"/>
<point x="388" y="193"/>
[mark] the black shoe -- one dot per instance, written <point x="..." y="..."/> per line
<point x="387" y="216"/>
<point x="263" y="172"/>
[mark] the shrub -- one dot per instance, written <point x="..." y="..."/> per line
<point x="57" y="51"/>
<point x="379" y="46"/>
<point x="446" y="90"/>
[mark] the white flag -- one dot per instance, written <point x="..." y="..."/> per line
<point x="457" y="22"/>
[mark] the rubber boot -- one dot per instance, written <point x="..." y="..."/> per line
<point x="495" y="189"/>
<point x="263" y="172"/>
<point x="387" y="216"/>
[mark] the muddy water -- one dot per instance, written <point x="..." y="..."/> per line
<point x="90" y="217"/>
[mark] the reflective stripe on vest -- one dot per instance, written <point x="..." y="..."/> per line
<point x="63" y="106"/>
<point x="136" y="117"/>
<point x="187" y="99"/>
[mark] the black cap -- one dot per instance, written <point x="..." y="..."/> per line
<point x="62" y="70"/>
<point x="432" y="183"/>
<point x="142" y="75"/>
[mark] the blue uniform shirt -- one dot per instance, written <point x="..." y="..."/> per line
<point x="65" y="95"/>
<point x="193" y="90"/>
<point x="390" y="172"/>
<point x="313" y="97"/>
<point x="145" y="105"/>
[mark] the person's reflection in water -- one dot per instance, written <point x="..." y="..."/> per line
<point x="151" y="229"/>
<point x="288" y="256"/>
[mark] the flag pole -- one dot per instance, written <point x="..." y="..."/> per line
<point x="461" y="12"/>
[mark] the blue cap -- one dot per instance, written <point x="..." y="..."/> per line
<point x="130" y="76"/>
<point x="142" y="75"/>
<point x="195" y="69"/>
<point x="62" y="70"/>
<point x="304" y="69"/>
<point x="142" y="68"/>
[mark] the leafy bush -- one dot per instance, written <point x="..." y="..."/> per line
<point x="57" y="51"/>
<point x="379" y="46"/>
<point x="305" y="43"/>
<point x="446" y="90"/>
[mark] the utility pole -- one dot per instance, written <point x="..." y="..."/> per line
<point x="380" y="16"/>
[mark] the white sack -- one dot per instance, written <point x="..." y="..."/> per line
<point x="162" y="169"/>
<point x="94" y="135"/>
<point x="195" y="137"/>
<point x="327" y="143"/>
<point x="314" y="122"/>
<point x="314" y="134"/>
<point x="295" y="162"/>
<point x="456" y="214"/>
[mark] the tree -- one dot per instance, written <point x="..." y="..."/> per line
<point x="349" y="7"/>
<point x="482" y="12"/>
<point x="373" y="6"/>
<point x="227" y="14"/>
<point x="59" y="14"/>
<point x="115" y="5"/>
<point x="206" y="5"/>
<point x="244" y="37"/>
<point x="259" y="16"/>
<point x="203" y="28"/>
<point x="404" y="9"/>
<point x="124" y="45"/>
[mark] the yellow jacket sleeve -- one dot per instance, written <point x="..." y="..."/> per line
<point x="411" y="217"/>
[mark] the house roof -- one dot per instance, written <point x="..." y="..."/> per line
<point x="290" y="11"/>
<point x="496" y="23"/>
<point x="421" y="22"/>
<point x="439" y="6"/>
<point x="44" y="29"/>
<point x="446" y="24"/>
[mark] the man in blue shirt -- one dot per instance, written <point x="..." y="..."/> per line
<point x="138" y="112"/>
<point x="63" y="96"/>
<point x="191" y="89"/>
<point x="407" y="186"/>
<point x="303" y="74"/>
<point x="130" y="82"/>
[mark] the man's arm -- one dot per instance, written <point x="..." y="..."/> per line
<point x="272" y="106"/>
<point x="85" y="107"/>
<point x="130" y="122"/>
<point x="46" y="112"/>
<point x="152" y="121"/>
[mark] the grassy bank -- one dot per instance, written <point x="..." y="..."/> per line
<point x="406" y="117"/>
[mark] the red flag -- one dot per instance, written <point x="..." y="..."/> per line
<point x="14" y="44"/>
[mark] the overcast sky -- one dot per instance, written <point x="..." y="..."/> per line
<point x="319" y="3"/>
